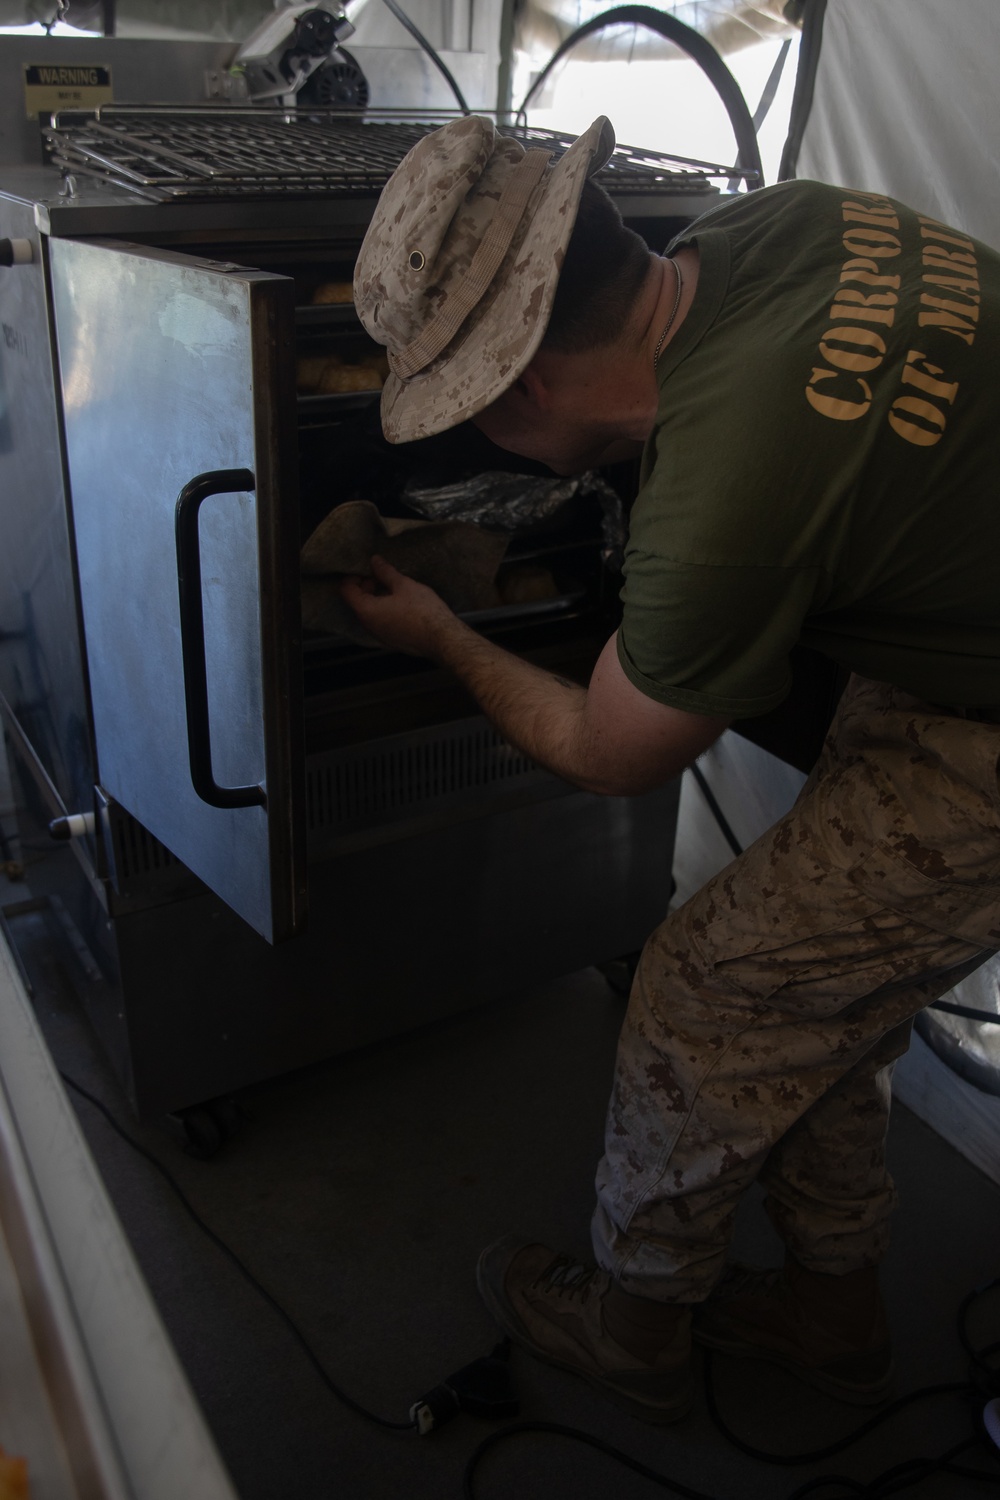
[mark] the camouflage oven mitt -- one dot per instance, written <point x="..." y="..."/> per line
<point x="457" y="560"/>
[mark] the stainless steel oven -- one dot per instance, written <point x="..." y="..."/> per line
<point x="292" y="845"/>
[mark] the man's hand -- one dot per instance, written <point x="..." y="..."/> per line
<point x="606" y="738"/>
<point x="402" y="614"/>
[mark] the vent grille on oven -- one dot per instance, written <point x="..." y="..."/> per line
<point x="139" y="867"/>
<point x="426" y="774"/>
<point x="136" y="851"/>
<point x="222" y="152"/>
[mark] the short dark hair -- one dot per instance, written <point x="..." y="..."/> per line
<point x="605" y="266"/>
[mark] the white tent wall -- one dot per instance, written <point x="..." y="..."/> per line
<point x="905" y="103"/>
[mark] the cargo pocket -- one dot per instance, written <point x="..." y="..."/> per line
<point x="967" y="909"/>
<point x="817" y="958"/>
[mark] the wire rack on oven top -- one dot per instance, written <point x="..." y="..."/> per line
<point x="221" y="151"/>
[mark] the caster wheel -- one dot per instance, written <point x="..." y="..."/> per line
<point x="202" y="1130"/>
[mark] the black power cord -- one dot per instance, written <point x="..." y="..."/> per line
<point x="556" y="1429"/>
<point x="818" y="1455"/>
<point x="483" y="1389"/>
<point x="891" y="1481"/>
<point x="233" y="1258"/>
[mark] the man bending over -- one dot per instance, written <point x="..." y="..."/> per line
<point x="809" y="375"/>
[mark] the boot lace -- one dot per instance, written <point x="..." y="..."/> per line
<point x="566" y="1277"/>
<point x="740" y="1280"/>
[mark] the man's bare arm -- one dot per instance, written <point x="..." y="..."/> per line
<point x="606" y="738"/>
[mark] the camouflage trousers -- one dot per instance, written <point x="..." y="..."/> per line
<point x="767" y="1011"/>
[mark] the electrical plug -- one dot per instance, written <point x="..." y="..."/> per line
<point x="483" y="1389"/>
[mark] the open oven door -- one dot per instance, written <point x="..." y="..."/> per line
<point x="178" y="390"/>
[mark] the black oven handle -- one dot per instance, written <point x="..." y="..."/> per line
<point x="189" y="501"/>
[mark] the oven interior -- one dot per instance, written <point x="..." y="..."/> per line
<point x="356" y="693"/>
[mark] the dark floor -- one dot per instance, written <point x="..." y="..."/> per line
<point x="360" y="1192"/>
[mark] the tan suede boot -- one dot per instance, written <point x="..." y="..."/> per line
<point x="637" y="1352"/>
<point x="831" y="1331"/>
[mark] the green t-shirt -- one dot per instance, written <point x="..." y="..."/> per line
<point x="825" y="466"/>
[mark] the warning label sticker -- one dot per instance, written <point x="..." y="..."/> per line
<point x="68" y="86"/>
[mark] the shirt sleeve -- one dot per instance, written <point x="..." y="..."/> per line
<point x="712" y="639"/>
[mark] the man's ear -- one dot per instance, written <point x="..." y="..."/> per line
<point x="533" y="385"/>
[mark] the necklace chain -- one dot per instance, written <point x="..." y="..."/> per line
<point x="673" y="314"/>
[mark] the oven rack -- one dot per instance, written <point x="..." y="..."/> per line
<point x="324" y="315"/>
<point x="218" y="152"/>
<point x="501" y="618"/>
<point x="315" y="408"/>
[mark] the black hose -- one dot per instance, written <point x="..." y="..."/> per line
<point x="767" y="97"/>
<point x="715" y="809"/>
<point x="813" y="15"/>
<point x="422" y="41"/>
<point x="987" y="1017"/>
<point x="698" y="48"/>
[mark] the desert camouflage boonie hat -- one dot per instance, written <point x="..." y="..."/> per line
<point x="458" y="270"/>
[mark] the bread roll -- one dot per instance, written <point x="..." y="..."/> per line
<point x="349" y="378"/>
<point x="308" y="372"/>
<point x="527" y="584"/>
<point x="333" y="291"/>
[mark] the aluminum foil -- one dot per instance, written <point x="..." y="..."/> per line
<point x="513" y="502"/>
